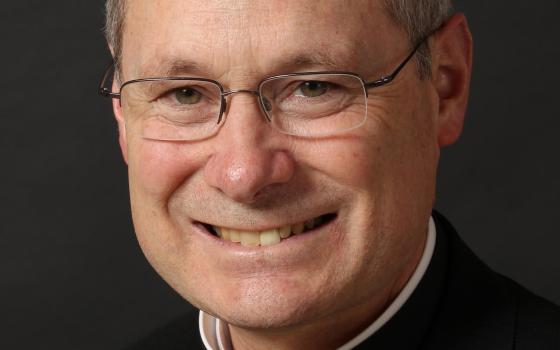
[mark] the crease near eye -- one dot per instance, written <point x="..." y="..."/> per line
<point x="186" y="105"/>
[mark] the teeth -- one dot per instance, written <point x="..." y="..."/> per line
<point x="249" y="239"/>
<point x="297" y="228"/>
<point x="234" y="236"/>
<point x="285" y="232"/>
<point x="268" y="237"/>
<point x="225" y="233"/>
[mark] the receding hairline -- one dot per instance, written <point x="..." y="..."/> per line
<point x="418" y="18"/>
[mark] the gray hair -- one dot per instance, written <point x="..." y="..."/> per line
<point x="419" y="18"/>
<point x="114" y="27"/>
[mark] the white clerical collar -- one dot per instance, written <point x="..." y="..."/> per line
<point x="215" y="333"/>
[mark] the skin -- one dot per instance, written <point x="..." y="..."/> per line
<point x="318" y="290"/>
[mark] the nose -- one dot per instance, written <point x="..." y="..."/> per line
<point x="248" y="155"/>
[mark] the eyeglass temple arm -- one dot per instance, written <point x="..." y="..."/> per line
<point x="102" y="90"/>
<point x="387" y="79"/>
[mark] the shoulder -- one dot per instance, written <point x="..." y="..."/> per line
<point x="181" y="333"/>
<point x="537" y="321"/>
<point x="484" y="309"/>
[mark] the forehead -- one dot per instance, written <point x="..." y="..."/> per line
<point x="215" y="37"/>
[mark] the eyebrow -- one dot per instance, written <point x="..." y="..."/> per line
<point x="174" y="66"/>
<point x="315" y="59"/>
<point x="181" y="66"/>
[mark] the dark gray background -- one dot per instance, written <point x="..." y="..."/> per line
<point x="72" y="275"/>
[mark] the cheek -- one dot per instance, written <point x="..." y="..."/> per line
<point x="157" y="169"/>
<point x="404" y="125"/>
<point x="355" y="161"/>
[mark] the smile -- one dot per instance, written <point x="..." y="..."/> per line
<point x="270" y="236"/>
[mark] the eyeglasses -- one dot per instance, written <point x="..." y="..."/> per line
<point x="310" y="104"/>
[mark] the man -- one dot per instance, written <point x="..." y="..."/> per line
<point x="282" y="159"/>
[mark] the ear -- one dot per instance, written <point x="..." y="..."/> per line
<point x="117" y="110"/>
<point x="452" y="66"/>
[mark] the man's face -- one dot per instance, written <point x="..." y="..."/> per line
<point x="375" y="184"/>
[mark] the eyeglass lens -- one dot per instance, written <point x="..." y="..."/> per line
<point x="302" y="105"/>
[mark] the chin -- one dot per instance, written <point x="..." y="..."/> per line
<point x="259" y="302"/>
<point x="268" y="308"/>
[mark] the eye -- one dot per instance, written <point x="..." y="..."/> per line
<point x="187" y="96"/>
<point x="312" y="88"/>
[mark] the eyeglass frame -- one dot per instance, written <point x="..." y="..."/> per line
<point x="384" y="80"/>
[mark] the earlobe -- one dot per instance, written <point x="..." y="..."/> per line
<point x="452" y="66"/>
<point x="117" y="110"/>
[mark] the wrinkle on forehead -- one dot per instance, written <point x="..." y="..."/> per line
<point x="175" y="66"/>
<point x="250" y="37"/>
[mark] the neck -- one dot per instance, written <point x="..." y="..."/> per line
<point x="329" y="332"/>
